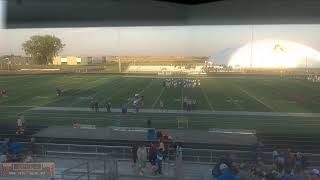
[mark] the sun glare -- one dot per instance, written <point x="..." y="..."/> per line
<point x="273" y="54"/>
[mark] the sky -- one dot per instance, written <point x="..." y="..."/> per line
<point x="164" y="40"/>
<point x="2" y="13"/>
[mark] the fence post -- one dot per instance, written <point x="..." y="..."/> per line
<point x="42" y="150"/>
<point x="104" y="167"/>
<point x="88" y="170"/>
<point x="116" y="170"/>
<point x="45" y="150"/>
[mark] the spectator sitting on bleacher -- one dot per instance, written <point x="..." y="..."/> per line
<point x="314" y="175"/>
<point x="288" y="175"/>
<point x="226" y="174"/>
<point x="275" y="154"/>
<point x="243" y="172"/>
<point x="14" y="158"/>
<point x="28" y="159"/>
<point x="300" y="175"/>
<point x="5" y="146"/>
<point x="3" y="158"/>
<point x="76" y="124"/>
<point x="216" y="172"/>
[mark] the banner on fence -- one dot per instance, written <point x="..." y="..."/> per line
<point x="27" y="169"/>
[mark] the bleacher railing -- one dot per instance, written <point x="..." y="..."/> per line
<point x="125" y="153"/>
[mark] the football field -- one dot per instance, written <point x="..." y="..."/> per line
<point x="235" y="94"/>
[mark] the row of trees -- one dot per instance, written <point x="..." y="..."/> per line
<point x="43" y="49"/>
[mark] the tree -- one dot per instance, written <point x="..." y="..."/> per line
<point x="42" y="49"/>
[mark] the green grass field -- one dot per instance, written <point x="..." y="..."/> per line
<point x="270" y="94"/>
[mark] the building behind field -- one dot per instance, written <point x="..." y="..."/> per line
<point x="68" y="60"/>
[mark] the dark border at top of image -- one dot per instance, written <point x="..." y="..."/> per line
<point x="105" y="13"/>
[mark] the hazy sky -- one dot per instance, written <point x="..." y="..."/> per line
<point x="2" y="5"/>
<point x="171" y="40"/>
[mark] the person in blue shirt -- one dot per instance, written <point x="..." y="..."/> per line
<point x="226" y="173"/>
<point x="288" y="175"/>
<point x="159" y="161"/>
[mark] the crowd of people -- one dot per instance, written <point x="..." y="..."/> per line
<point x="180" y="82"/>
<point x="155" y="154"/>
<point x="11" y="151"/>
<point x="313" y="78"/>
<point x="286" y="166"/>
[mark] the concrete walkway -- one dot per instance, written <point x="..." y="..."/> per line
<point x="202" y="112"/>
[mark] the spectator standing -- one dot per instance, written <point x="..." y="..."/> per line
<point x="179" y="152"/>
<point x="159" y="161"/>
<point x="134" y="153"/>
<point x="152" y="154"/>
<point x="142" y="158"/>
<point x="161" y="145"/>
<point x="179" y="171"/>
<point x="159" y="135"/>
<point x="32" y="146"/>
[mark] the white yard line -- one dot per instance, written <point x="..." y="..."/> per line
<point x="254" y="97"/>
<point x="155" y="102"/>
<point x="207" y="99"/>
<point x="117" y="83"/>
<point x="18" y="106"/>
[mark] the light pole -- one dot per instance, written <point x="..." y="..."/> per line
<point x="306" y="64"/>
<point x="8" y="62"/>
